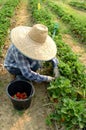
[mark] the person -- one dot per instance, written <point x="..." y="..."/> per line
<point x="29" y="47"/>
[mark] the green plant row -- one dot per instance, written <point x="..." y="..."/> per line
<point x="68" y="91"/>
<point x="6" y="12"/>
<point x="69" y="65"/>
<point x="78" y="5"/>
<point x="45" y="17"/>
<point x="78" y="28"/>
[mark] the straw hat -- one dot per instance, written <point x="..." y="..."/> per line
<point x="34" y="42"/>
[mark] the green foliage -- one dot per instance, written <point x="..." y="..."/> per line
<point x="78" y="28"/>
<point x="78" y="5"/>
<point x="69" y="65"/>
<point x="61" y="87"/>
<point x="65" y="69"/>
<point x="70" y="113"/>
<point x="6" y="12"/>
<point x="74" y="113"/>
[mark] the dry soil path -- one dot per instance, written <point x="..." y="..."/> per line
<point x="34" y="117"/>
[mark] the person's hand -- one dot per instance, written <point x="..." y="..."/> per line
<point x="50" y="79"/>
<point x="56" y="72"/>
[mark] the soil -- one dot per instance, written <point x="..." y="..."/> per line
<point x="34" y="117"/>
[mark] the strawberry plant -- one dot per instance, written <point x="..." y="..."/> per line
<point x="70" y="113"/>
<point x="61" y="87"/>
<point x="64" y="69"/>
<point x="70" y="66"/>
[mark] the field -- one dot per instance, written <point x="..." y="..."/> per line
<point x="62" y="103"/>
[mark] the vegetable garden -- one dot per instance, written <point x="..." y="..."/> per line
<point x="67" y="93"/>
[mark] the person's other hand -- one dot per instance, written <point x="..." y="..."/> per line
<point x="56" y="72"/>
<point x="50" y="79"/>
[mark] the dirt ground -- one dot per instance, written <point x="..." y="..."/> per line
<point x="34" y="117"/>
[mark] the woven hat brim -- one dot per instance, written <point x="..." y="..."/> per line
<point x="44" y="51"/>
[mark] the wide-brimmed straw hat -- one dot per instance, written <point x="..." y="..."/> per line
<point x="34" y="42"/>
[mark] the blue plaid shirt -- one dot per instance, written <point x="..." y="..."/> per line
<point x="15" y="59"/>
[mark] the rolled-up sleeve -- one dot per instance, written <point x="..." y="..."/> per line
<point x="55" y="62"/>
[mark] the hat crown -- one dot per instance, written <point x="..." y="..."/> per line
<point x="38" y="33"/>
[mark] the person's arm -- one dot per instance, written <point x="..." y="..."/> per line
<point x="55" y="63"/>
<point x="26" y="71"/>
